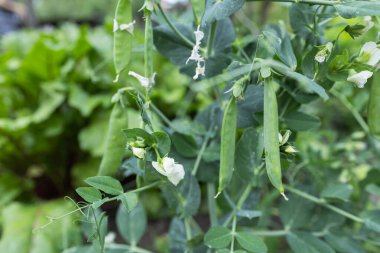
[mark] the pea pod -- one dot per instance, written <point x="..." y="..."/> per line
<point x="122" y="39"/>
<point x="271" y="144"/>
<point x="374" y="107"/>
<point x="148" y="45"/>
<point x="227" y="150"/>
<point x="115" y="141"/>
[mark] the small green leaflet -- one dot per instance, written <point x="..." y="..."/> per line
<point x="302" y="242"/>
<point x="89" y="194"/>
<point x="251" y="242"/>
<point x="337" y="191"/>
<point x="218" y="237"/>
<point x="300" y="121"/>
<point x="358" y="8"/>
<point x="129" y="200"/>
<point x="106" y="184"/>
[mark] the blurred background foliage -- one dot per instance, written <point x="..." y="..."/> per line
<point x="55" y="90"/>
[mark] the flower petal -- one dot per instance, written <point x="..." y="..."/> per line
<point x="159" y="168"/>
<point x="360" y="78"/>
<point x="177" y="175"/>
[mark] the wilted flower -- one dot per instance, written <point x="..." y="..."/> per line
<point x="360" y="78"/>
<point x="369" y="54"/>
<point x="195" y="56"/>
<point x="167" y="167"/>
<point x="144" y="81"/>
<point x="123" y="27"/>
<point x="324" y="52"/>
<point x="138" y="152"/>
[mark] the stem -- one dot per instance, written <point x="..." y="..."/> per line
<point x="188" y="232"/>
<point x="101" y="241"/>
<point x="271" y="233"/>
<point x="211" y="38"/>
<point x="322" y="202"/>
<point x="199" y="157"/>
<point x="127" y="247"/>
<point x="233" y="233"/>
<point x="211" y="204"/>
<point x="240" y="203"/>
<point x="175" y="30"/>
<point x="320" y="2"/>
<point x="352" y="109"/>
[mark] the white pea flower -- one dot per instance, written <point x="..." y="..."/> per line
<point x="138" y="152"/>
<point x="368" y="23"/>
<point x="370" y="54"/>
<point x="123" y="27"/>
<point x="200" y="70"/>
<point x="290" y="149"/>
<point x="360" y="78"/>
<point x="324" y="52"/>
<point x="173" y="171"/>
<point x="110" y="238"/>
<point x="195" y="56"/>
<point x="144" y="81"/>
<point x="128" y="27"/>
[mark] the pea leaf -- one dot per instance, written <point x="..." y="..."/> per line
<point x="343" y="243"/>
<point x="163" y="142"/>
<point x="358" y="8"/>
<point x="131" y="224"/>
<point x="296" y="212"/>
<point x="129" y="200"/>
<point x="89" y="194"/>
<point x="105" y="183"/>
<point x="278" y="38"/>
<point x="185" y="145"/>
<point x="372" y="220"/>
<point x="337" y="191"/>
<point x="134" y="134"/>
<point x="218" y="237"/>
<point x="218" y="10"/>
<point x="302" y="242"/>
<point x="300" y="121"/>
<point x="248" y="153"/>
<point x="251" y="242"/>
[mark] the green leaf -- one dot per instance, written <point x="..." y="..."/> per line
<point x="337" y="191"/>
<point x="253" y="102"/>
<point x="131" y="225"/>
<point x="343" y="244"/>
<point x="218" y="237"/>
<point x="20" y="220"/>
<point x="163" y="142"/>
<point x="296" y="212"/>
<point x="373" y="189"/>
<point x="129" y="200"/>
<point x="248" y="154"/>
<point x="218" y="10"/>
<point x="301" y="242"/>
<point x="300" y="121"/>
<point x="358" y="8"/>
<point x="135" y="134"/>
<point x="185" y="145"/>
<point x="105" y="183"/>
<point x="198" y="9"/>
<point x="372" y="220"/>
<point x="89" y="194"/>
<point x="278" y="38"/>
<point x="251" y="242"/>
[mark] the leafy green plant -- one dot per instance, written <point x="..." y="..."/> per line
<point x="289" y="181"/>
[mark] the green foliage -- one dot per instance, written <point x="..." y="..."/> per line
<point x="219" y="113"/>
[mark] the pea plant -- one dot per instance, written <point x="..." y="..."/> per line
<point x="251" y="159"/>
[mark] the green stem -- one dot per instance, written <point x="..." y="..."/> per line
<point x="233" y="233"/>
<point x="188" y="232"/>
<point x="211" y="38"/>
<point x="239" y="205"/>
<point x="127" y="247"/>
<point x="320" y="2"/>
<point x="322" y="202"/>
<point x="175" y="30"/>
<point x="201" y="151"/>
<point x="352" y="109"/>
<point x="211" y="204"/>
<point x="272" y="233"/>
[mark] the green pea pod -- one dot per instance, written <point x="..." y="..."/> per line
<point x="115" y="141"/>
<point x="227" y="150"/>
<point x="374" y="107"/>
<point x="148" y="45"/>
<point x="271" y="144"/>
<point x="122" y="38"/>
